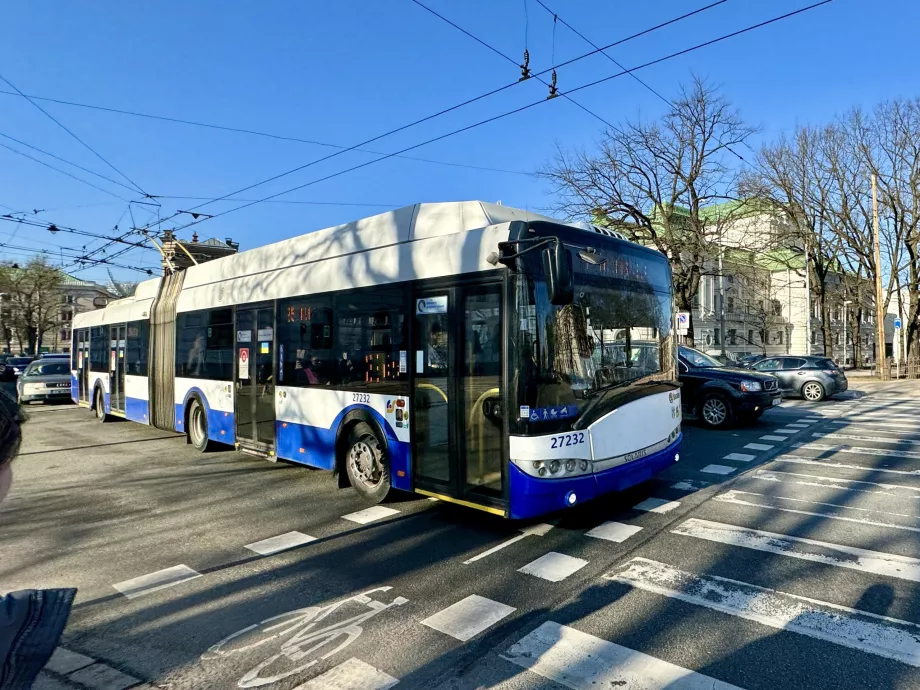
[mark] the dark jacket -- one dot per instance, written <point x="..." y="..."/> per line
<point x="31" y="623"/>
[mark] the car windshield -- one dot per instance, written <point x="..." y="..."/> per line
<point x="51" y="368"/>
<point x="697" y="359"/>
<point x="616" y="331"/>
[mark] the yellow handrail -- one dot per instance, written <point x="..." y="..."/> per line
<point x="478" y="404"/>
<point x="431" y="386"/>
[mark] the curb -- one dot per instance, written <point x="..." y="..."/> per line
<point x="67" y="669"/>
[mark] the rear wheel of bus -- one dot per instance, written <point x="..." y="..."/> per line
<point x="99" y="406"/>
<point x="366" y="463"/>
<point x="198" y="426"/>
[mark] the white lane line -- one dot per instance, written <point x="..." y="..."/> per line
<point x="614" y="531"/>
<point x="786" y="433"/>
<point x="553" y="566"/>
<point x="152" y="582"/>
<point x="353" y="674"/>
<point x="537" y="530"/>
<point x="751" y="499"/>
<point x="656" y="505"/>
<point x="740" y="457"/>
<point x="893" y="490"/>
<point x="362" y="517"/>
<point x="758" y="446"/>
<point x="812" y="420"/>
<point x="282" y="542"/>
<point x="771" y="437"/>
<point x="871" y="439"/>
<point x="867" y="632"/>
<point x="581" y="661"/>
<point x="839" y="465"/>
<point x="874" y="562"/>
<point x="468" y="617"/>
<point x="880" y="452"/>
<point x="797" y="426"/>
<point x="718" y="469"/>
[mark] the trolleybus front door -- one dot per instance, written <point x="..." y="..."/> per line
<point x="457" y="396"/>
<point x="83" y="364"/>
<point x="254" y="403"/>
<point x="117" y="368"/>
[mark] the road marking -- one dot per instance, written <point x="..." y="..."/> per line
<point x="871" y="439"/>
<point x="152" y="582"/>
<point x="771" y="437"/>
<point x="537" y="530"/>
<point x="468" y="617"/>
<point x="867" y="632"/>
<point x="909" y="427"/>
<point x="581" y="661"/>
<point x="739" y="457"/>
<point x="837" y="483"/>
<point x="874" y="562"/>
<point x="353" y="674"/>
<point x="880" y="452"/>
<point x="839" y="465"/>
<point x="797" y="426"/>
<point x="282" y="542"/>
<point x="362" y="517"/>
<point x="656" y="505"/>
<point x="718" y="469"/>
<point x="785" y="432"/>
<point x="740" y="498"/>
<point x="553" y="566"/>
<point x="758" y="446"/>
<point x="614" y="531"/>
<point x="812" y="420"/>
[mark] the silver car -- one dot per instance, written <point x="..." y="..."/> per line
<point x="44" y="379"/>
<point x="813" y="378"/>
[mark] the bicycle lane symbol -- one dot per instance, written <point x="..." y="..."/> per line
<point x="299" y="639"/>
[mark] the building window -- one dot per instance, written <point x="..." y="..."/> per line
<point x="779" y="337"/>
<point x="750" y="337"/>
<point x="717" y="337"/>
<point x="204" y="344"/>
<point x="813" y="338"/>
<point x="732" y="334"/>
<point x="836" y="338"/>
<point x="777" y="307"/>
<point x="730" y="304"/>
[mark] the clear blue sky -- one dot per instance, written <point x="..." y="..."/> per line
<point x="342" y="72"/>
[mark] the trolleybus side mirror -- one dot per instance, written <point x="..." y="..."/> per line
<point x="557" y="263"/>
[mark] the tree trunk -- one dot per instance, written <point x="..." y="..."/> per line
<point x="825" y="331"/>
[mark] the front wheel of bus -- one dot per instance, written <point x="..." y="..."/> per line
<point x="366" y="463"/>
<point x="198" y="426"/>
<point x="100" y="406"/>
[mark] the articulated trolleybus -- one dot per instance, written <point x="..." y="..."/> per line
<point x="472" y="352"/>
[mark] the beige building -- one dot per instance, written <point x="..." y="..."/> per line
<point x="77" y="296"/>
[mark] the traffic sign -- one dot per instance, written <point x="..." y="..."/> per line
<point x="683" y="322"/>
<point x="897" y="323"/>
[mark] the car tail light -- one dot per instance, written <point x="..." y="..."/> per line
<point x="832" y="372"/>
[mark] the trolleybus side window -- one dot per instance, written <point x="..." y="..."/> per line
<point x="204" y="344"/>
<point x="99" y="348"/>
<point x="138" y="340"/>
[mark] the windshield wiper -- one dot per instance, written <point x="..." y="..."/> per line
<point x="601" y="393"/>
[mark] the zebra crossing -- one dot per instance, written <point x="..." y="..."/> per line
<point x="812" y="556"/>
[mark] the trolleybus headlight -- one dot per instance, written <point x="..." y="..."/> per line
<point x="584" y="465"/>
<point x="570" y="465"/>
<point x="542" y="471"/>
<point x="553" y="466"/>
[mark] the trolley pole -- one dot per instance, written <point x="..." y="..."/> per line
<point x="879" y="299"/>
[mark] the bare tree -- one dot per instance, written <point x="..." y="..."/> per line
<point x="656" y="182"/>
<point x="33" y="303"/>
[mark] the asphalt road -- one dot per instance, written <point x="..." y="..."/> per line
<point x="798" y="567"/>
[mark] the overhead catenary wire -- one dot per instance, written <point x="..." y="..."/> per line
<point x="445" y="111"/>
<point x="71" y="133"/>
<point x="645" y="65"/>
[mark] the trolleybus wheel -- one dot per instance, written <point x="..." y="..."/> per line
<point x="198" y="426"/>
<point x="366" y="463"/>
<point x="100" y="406"/>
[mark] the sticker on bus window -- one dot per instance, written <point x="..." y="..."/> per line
<point x="265" y="334"/>
<point x="242" y="369"/>
<point x="263" y="348"/>
<point x="243" y="336"/>
<point x="281" y="362"/>
<point x="525" y="412"/>
<point x="112" y="361"/>
<point x="403" y="361"/>
<point x="80" y="360"/>
<point x="431" y="305"/>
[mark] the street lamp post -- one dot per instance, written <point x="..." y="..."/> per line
<point x="845" y="303"/>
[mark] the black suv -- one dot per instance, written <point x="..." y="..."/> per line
<point x="720" y="395"/>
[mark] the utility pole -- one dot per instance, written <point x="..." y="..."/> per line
<point x="879" y="300"/>
<point x="807" y="302"/>
<point x="721" y="293"/>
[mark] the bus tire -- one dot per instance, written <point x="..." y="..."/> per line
<point x="197" y="426"/>
<point x="366" y="463"/>
<point x="99" y="406"/>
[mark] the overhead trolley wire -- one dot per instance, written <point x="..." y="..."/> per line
<point x="650" y="63"/>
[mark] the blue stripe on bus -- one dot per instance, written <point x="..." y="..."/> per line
<point x="221" y="425"/>
<point x="137" y="410"/>
<point x="315" y="446"/>
<point x="74" y="388"/>
<point x="531" y="496"/>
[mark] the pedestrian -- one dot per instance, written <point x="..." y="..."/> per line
<point x="31" y="620"/>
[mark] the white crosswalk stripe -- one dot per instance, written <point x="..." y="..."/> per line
<point x="870" y="439"/>
<point x="859" y="450"/>
<point x="867" y="632"/>
<point x="854" y="485"/>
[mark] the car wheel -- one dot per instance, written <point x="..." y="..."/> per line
<point x="366" y="463"/>
<point x="813" y="391"/>
<point x="99" y="407"/>
<point x="198" y="426"/>
<point x="716" y="411"/>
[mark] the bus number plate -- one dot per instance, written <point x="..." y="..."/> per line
<point x="567" y="440"/>
<point x="360" y="397"/>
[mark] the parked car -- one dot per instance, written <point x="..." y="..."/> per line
<point x="718" y="395"/>
<point x="54" y="355"/>
<point x="750" y="360"/>
<point x="813" y="378"/>
<point x="14" y="367"/>
<point x="44" y="379"/>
